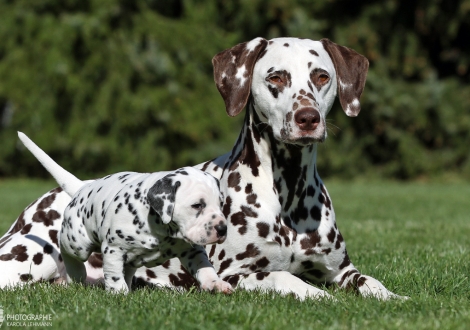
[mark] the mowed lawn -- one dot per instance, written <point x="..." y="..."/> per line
<point x="415" y="238"/>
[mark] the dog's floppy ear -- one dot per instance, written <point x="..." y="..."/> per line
<point x="351" y="71"/>
<point x="161" y="197"/>
<point x="233" y="73"/>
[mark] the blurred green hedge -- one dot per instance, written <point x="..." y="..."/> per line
<point x="114" y="85"/>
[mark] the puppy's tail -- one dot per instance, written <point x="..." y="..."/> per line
<point x="67" y="181"/>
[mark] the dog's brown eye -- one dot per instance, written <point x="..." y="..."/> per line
<point x="197" y="206"/>
<point x="275" y="79"/>
<point x="323" y="78"/>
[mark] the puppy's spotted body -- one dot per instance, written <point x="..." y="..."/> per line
<point x="137" y="219"/>
<point x="281" y="222"/>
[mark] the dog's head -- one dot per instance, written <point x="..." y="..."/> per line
<point x="293" y="83"/>
<point x="191" y="199"/>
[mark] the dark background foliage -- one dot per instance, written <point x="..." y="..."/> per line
<point x="110" y="85"/>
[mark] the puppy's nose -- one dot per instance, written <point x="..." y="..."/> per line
<point x="221" y="229"/>
<point x="307" y="119"/>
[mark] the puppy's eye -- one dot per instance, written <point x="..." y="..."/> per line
<point x="323" y="78"/>
<point x="275" y="80"/>
<point x="197" y="206"/>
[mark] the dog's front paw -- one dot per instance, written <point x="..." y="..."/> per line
<point x="217" y="286"/>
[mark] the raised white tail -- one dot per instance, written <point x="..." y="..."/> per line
<point x="67" y="181"/>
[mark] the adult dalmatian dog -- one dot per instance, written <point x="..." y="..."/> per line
<point x="282" y="231"/>
<point x="137" y="219"/>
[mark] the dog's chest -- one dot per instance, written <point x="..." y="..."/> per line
<point x="258" y="238"/>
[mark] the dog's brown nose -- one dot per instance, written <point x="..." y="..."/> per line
<point x="307" y="119"/>
<point x="221" y="229"/>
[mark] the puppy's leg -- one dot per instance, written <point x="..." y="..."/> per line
<point x="199" y="266"/>
<point x="76" y="271"/>
<point x="113" y="269"/>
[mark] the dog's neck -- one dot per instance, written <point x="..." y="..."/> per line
<point x="292" y="168"/>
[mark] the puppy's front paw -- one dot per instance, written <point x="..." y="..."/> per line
<point x="217" y="286"/>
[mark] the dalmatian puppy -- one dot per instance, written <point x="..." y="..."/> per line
<point x="282" y="233"/>
<point x="139" y="219"/>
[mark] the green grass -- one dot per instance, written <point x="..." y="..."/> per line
<point x="415" y="238"/>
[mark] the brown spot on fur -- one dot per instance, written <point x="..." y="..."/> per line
<point x="37" y="259"/>
<point x="26" y="229"/>
<point x="96" y="260"/>
<point x="221" y="254"/>
<point x="361" y="281"/>
<point x="238" y="219"/>
<point x="346" y="261"/>
<point x="289" y="116"/>
<point x="206" y="165"/>
<point x="227" y="206"/>
<point x="263" y="229"/>
<point x="250" y="252"/>
<point x="212" y="251"/>
<point x="17" y="252"/>
<point x="249" y="157"/>
<point x="26" y="277"/>
<point x="150" y="273"/>
<point x="331" y="235"/>
<point x="224" y="265"/>
<point x="46" y="202"/>
<point x="183" y="279"/>
<point x="46" y="218"/>
<point x="261" y="275"/>
<point x="233" y="279"/>
<point x="263" y="262"/>
<point x="309" y="242"/>
<point x="346" y="275"/>
<point x="249" y="212"/>
<point x="233" y="181"/>
<point x="305" y="102"/>
<point x="53" y="236"/>
<point x="251" y="199"/>
<point x="327" y="199"/>
<point x="311" y="51"/>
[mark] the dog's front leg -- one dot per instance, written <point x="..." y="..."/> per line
<point x="197" y="263"/>
<point x="367" y="286"/>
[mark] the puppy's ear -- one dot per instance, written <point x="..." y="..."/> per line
<point x="161" y="197"/>
<point x="233" y="73"/>
<point x="351" y="71"/>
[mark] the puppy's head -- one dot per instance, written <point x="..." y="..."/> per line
<point x="191" y="199"/>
